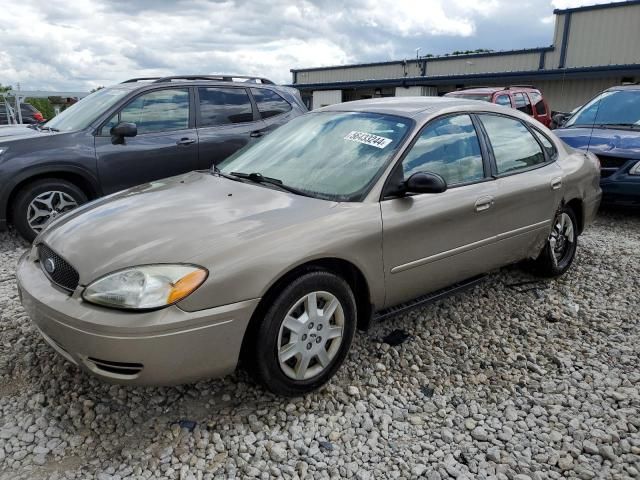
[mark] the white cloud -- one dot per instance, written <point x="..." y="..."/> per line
<point x="86" y="43"/>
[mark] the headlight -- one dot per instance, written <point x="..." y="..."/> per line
<point x="635" y="170"/>
<point x="2" y="150"/>
<point x="145" y="287"/>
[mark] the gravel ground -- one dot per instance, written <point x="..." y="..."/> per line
<point x="509" y="380"/>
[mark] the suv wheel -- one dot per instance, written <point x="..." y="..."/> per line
<point x="39" y="202"/>
<point x="305" y="335"/>
<point x="560" y="249"/>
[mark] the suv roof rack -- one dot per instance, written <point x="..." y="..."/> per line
<point x="140" y="79"/>
<point x="216" y="78"/>
<point x="475" y="86"/>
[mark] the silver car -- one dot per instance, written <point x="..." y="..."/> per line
<point x="347" y="214"/>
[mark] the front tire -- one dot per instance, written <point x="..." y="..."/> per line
<point x="39" y="202"/>
<point x="560" y="248"/>
<point x="305" y="334"/>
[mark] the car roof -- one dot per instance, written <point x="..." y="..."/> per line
<point x="476" y="90"/>
<point x="631" y="86"/>
<point x="411" y="107"/>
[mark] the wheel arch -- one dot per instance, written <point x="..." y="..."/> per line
<point x="577" y="205"/>
<point x="77" y="176"/>
<point x="345" y="269"/>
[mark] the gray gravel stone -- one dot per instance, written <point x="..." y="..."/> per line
<point x="506" y="381"/>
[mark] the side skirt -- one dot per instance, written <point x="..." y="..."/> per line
<point x="429" y="298"/>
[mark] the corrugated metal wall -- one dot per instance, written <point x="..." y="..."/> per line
<point x="338" y="74"/>
<point x="565" y="95"/>
<point x="322" y="98"/>
<point x="604" y="37"/>
<point x="499" y="63"/>
<point x="552" y="58"/>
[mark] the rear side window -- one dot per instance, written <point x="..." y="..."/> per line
<point x="538" y="103"/>
<point x="224" y="106"/>
<point x="547" y="144"/>
<point x="514" y="147"/>
<point x="269" y="102"/>
<point x="449" y="147"/>
<point x="522" y="103"/>
<point x="503" y="100"/>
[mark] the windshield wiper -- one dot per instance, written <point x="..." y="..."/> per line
<point x="259" y="178"/>
<point x="617" y="125"/>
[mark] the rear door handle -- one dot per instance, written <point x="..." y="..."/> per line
<point x="556" y="183"/>
<point x="256" y="134"/>
<point x="186" y="141"/>
<point x="483" y="203"/>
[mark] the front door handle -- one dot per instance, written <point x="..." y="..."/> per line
<point x="483" y="203"/>
<point x="256" y="134"/>
<point x="556" y="183"/>
<point x="186" y="141"/>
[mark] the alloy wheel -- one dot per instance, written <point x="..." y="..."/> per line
<point x="310" y="335"/>
<point x="561" y="238"/>
<point x="47" y="206"/>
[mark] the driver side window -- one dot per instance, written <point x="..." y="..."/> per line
<point x="447" y="146"/>
<point x="157" y="111"/>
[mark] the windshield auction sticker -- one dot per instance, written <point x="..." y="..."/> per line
<point x="368" y="139"/>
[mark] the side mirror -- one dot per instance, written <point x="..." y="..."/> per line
<point x="122" y="130"/>
<point x="559" y="119"/>
<point x="425" y="182"/>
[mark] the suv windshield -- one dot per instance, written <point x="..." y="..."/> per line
<point x="616" y="108"/>
<point x="331" y="155"/>
<point x="81" y="114"/>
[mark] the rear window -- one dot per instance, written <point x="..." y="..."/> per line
<point x="538" y="103"/>
<point x="269" y="102"/>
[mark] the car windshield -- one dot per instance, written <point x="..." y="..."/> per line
<point x="616" y="108"/>
<point x="81" y="114"/>
<point x="330" y="155"/>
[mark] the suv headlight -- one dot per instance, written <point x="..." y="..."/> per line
<point x="145" y="287"/>
<point x="635" y="170"/>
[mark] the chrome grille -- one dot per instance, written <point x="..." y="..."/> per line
<point x="57" y="269"/>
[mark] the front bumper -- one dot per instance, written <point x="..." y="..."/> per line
<point x="621" y="190"/>
<point x="162" y="347"/>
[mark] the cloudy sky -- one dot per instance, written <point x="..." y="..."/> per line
<point x="80" y="44"/>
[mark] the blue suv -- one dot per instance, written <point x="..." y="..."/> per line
<point x="609" y="126"/>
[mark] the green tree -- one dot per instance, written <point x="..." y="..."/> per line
<point x="44" y="105"/>
<point x="5" y="88"/>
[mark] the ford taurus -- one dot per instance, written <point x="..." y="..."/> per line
<point x="278" y="255"/>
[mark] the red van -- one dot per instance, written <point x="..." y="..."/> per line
<point x="525" y="98"/>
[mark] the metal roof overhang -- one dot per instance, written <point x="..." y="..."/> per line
<point x="499" y="77"/>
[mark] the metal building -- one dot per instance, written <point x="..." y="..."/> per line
<point x="594" y="47"/>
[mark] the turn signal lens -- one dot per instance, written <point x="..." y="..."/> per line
<point x="186" y="285"/>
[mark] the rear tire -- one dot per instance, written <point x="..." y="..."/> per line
<point x="295" y="350"/>
<point x="560" y="248"/>
<point x="40" y="201"/>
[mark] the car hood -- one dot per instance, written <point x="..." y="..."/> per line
<point x="9" y="132"/>
<point x="606" y="141"/>
<point x="174" y="220"/>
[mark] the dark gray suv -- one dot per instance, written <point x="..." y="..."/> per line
<point x="135" y="132"/>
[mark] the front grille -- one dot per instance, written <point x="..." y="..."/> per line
<point x="610" y="164"/>
<point x="57" y="269"/>
<point x="118" y="368"/>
